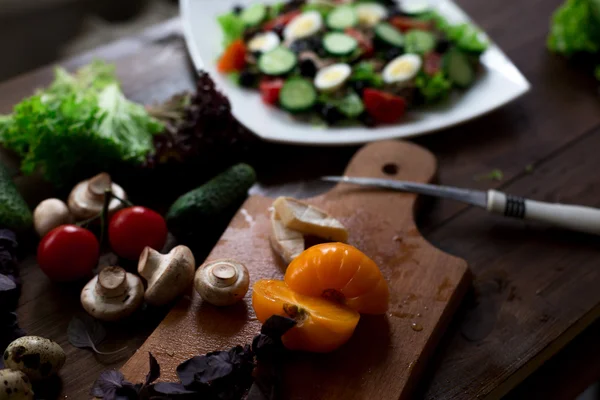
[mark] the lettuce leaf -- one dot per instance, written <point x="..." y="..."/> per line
<point x="80" y="124"/>
<point x="232" y="26"/>
<point x="433" y="88"/>
<point x="365" y="71"/>
<point x="466" y="36"/>
<point x="575" y="28"/>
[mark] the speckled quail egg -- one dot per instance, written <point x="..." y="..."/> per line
<point x="37" y="357"/>
<point x="14" y="385"/>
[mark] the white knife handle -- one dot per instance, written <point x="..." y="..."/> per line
<point x="576" y="218"/>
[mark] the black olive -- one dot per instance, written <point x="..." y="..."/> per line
<point x="256" y="54"/>
<point x="249" y="33"/>
<point x="359" y="87"/>
<point x="367" y="119"/>
<point x="298" y="46"/>
<point x="442" y="46"/>
<point x="237" y="9"/>
<point x="393" y="53"/>
<point x="308" y="68"/>
<point x="248" y="78"/>
<point x="278" y="29"/>
<point x="331" y="114"/>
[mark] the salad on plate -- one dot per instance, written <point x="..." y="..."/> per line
<point x="349" y="62"/>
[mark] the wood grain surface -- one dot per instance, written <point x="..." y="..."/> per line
<point x="555" y="129"/>
<point x="387" y="353"/>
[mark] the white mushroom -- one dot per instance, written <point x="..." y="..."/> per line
<point x="50" y="214"/>
<point x="222" y="282"/>
<point x="168" y="275"/>
<point x="309" y="220"/>
<point x="113" y="294"/>
<point x="14" y="385"/>
<point x="288" y="243"/>
<point x="87" y="197"/>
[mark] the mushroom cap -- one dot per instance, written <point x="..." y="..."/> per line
<point x="50" y="214"/>
<point x="222" y="282"/>
<point x="168" y="275"/>
<point x="87" y="197"/>
<point x="113" y="294"/>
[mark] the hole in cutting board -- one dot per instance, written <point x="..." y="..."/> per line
<point x="390" y="169"/>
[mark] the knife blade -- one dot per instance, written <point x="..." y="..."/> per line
<point x="573" y="217"/>
<point x="474" y="197"/>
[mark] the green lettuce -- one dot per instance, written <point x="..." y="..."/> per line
<point x="365" y="71"/>
<point x="80" y="124"/>
<point x="433" y="88"/>
<point x="232" y="26"/>
<point x="465" y="36"/>
<point x="575" y="28"/>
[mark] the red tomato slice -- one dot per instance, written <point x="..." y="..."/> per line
<point x="364" y="42"/>
<point x="406" y="23"/>
<point x="384" y="107"/>
<point x="269" y="90"/>
<point x="234" y="58"/>
<point x="432" y="63"/>
<point x="282" y="20"/>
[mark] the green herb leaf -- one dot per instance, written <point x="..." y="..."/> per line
<point x="322" y="6"/>
<point x="276" y="9"/>
<point x="493" y="175"/>
<point x="433" y="88"/>
<point x="575" y="28"/>
<point x="365" y="71"/>
<point x="465" y="36"/>
<point x="232" y="26"/>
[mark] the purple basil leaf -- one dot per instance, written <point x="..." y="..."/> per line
<point x="154" y="372"/>
<point x="255" y="393"/>
<point x="204" y="369"/>
<point x="6" y="283"/>
<point x="107" y="384"/>
<point x="276" y="326"/>
<point x="8" y="240"/>
<point x="170" y="388"/>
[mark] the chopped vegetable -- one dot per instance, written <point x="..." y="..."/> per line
<point x="493" y="175"/>
<point x="297" y="95"/>
<point x="270" y="89"/>
<point x="365" y="71"/>
<point x="234" y="58"/>
<point x="281" y="20"/>
<point x="385" y="108"/>
<point x="351" y="106"/>
<point x="365" y="43"/>
<point x="432" y="63"/>
<point x="433" y="88"/>
<point x="232" y="26"/>
<point x="79" y="125"/>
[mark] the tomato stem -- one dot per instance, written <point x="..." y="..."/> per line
<point x="108" y="194"/>
<point x="124" y="201"/>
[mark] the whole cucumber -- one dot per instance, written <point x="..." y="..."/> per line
<point x="206" y="210"/>
<point x="14" y="212"/>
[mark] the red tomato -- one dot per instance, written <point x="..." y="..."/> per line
<point x="68" y="253"/>
<point x="269" y="90"/>
<point x="282" y="20"/>
<point x="384" y="107"/>
<point x="432" y="63"/>
<point x="406" y="24"/>
<point x="365" y="44"/>
<point x="132" y="229"/>
<point x="234" y="58"/>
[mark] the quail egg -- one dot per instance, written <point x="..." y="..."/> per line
<point x="14" y="385"/>
<point x="37" y="357"/>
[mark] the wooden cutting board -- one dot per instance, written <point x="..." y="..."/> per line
<point x="386" y="355"/>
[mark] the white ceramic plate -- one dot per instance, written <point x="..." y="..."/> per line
<point x="500" y="83"/>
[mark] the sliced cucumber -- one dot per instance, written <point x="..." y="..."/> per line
<point x="389" y="35"/>
<point x="278" y="61"/>
<point x="297" y="95"/>
<point x="415" y="7"/>
<point x="458" y="68"/>
<point x="339" y="44"/>
<point x="342" y="17"/>
<point x="419" y="42"/>
<point x="254" y="14"/>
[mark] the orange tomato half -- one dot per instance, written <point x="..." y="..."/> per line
<point x="340" y="272"/>
<point x="322" y="326"/>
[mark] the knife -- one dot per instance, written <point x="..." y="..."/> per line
<point x="576" y="218"/>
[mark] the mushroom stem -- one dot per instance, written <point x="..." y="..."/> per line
<point x="112" y="282"/>
<point x="223" y="274"/>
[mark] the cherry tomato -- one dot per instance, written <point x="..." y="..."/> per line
<point x="132" y="229"/>
<point x="234" y="58"/>
<point x="406" y="24"/>
<point x="282" y="20"/>
<point x="385" y="108"/>
<point x="269" y="90"/>
<point x="68" y="253"/>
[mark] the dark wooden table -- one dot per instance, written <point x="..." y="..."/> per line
<point x="529" y="325"/>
